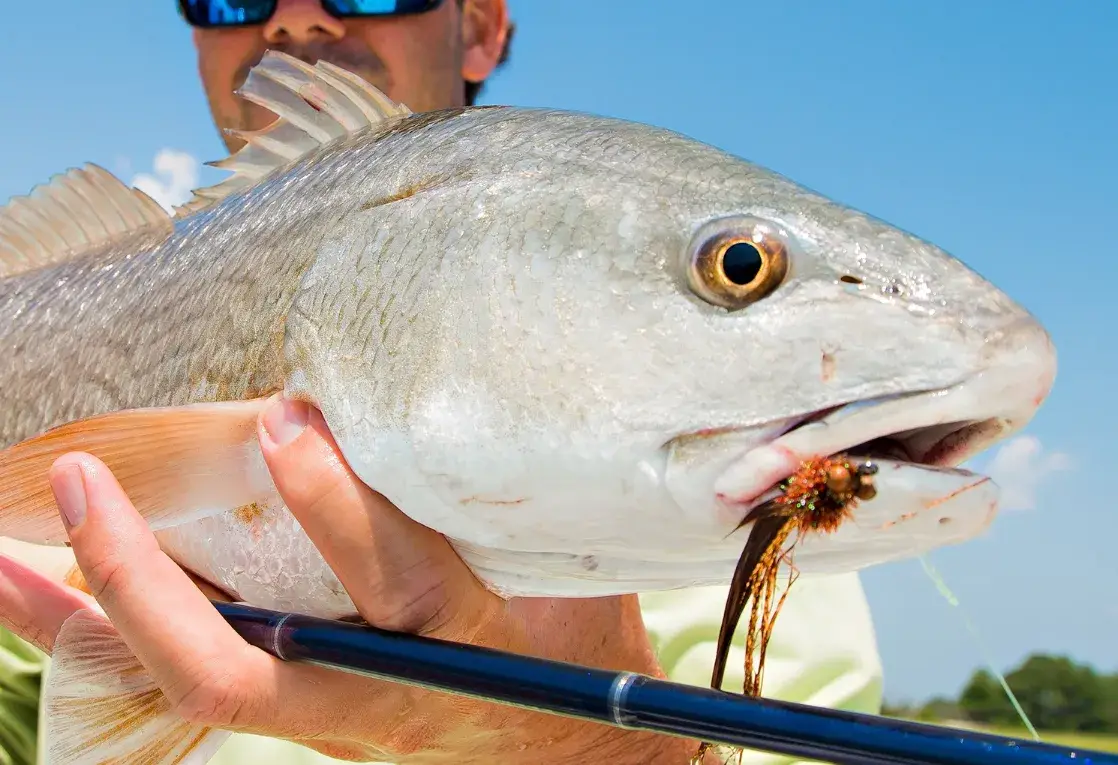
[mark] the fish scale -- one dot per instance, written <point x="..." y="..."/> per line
<point x="520" y="329"/>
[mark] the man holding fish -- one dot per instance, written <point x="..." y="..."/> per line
<point x="390" y="560"/>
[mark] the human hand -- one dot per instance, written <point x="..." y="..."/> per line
<point x="401" y="576"/>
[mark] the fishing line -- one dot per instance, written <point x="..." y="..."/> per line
<point x="941" y="585"/>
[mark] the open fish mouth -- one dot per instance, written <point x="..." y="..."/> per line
<point x="911" y="441"/>
<point x="931" y="429"/>
<point x="939" y="445"/>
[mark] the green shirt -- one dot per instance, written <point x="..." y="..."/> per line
<point x="823" y="652"/>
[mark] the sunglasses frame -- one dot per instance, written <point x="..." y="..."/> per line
<point x="424" y="7"/>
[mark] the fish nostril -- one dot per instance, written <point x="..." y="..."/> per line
<point x="850" y="279"/>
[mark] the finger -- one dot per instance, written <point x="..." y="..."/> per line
<point x="205" y="669"/>
<point x="41" y="587"/>
<point x="159" y="612"/>
<point x="76" y="579"/>
<point x="400" y="574"/>
<point x="34" y="606"/>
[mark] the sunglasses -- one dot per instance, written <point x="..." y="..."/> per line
<point x="240" y="13"/>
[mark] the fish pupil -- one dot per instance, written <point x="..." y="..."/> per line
<point x="742" y="263"/>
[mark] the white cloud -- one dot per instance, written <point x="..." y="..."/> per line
<point x="175" y="176"/>
<point x="1018" y="468"/>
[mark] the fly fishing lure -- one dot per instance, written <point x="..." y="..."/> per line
<point x="818" y="497"/>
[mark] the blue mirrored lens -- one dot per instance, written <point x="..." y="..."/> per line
<point x="377" y="7"/>
<point x="227" y="12"/>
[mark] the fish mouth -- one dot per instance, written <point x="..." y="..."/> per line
<point x="939" y="445"/>
<point x="937" y="429"/>
<point x="912" y="429"/>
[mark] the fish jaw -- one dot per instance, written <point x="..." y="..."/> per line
<point x="941" y="427"/>
<point x="918" y="508"/>
<point x="917" y="439"/>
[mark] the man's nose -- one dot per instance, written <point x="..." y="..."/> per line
<point x="302" y="21"/>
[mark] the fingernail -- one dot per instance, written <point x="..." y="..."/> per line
<point x="284" y="420"/>
<point x="69" y="492"/>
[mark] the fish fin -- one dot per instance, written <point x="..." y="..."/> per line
<point x="175" y="464"/>
<point x="76" y="578"/>
<point x="313" y="105"/>
<point x="102" y="707"/>
<point x="73" y="213"/>
<point x="51" y="561"/>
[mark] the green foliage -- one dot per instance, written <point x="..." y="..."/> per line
<point x="1056" y="693"/>
<point x="984" y="701"/>
<point x="940" y="709"/>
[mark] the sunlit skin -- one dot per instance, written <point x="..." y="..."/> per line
<point x="400" y="574"/>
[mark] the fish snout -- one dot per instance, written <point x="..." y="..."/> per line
<point x="1020" y="353"/>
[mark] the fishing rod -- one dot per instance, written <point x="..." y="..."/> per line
<point x="633" y="701"/>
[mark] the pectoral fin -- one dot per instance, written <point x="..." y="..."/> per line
<point x="102" y="708"/>
<point x="175" y="464"/>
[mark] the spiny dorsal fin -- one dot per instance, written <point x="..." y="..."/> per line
<point x="313" y="105"/>
<point x="73" y="213"/>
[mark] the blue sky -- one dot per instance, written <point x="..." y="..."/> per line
<point x="989" y="128"/>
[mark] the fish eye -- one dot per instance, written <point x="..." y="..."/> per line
<point x="736" y="264"/>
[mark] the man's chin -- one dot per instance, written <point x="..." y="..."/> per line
<point x="362" y="62"/>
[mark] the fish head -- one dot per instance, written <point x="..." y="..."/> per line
<point x="803" y="329"/>
<point x="655" y="333"/>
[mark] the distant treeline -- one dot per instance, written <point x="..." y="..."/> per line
<point x="1056" y="693"/>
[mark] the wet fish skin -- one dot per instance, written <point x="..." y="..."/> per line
<point x="489" y="307"/>
<point x="492" y="309"/>
<point x="490" y="417"/>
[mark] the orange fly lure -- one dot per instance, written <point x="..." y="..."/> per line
<point x="818" y="497"/>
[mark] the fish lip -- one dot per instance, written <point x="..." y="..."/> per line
<point x="938" y="428"/>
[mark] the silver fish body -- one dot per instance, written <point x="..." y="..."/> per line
<point x="583" y="349"/>
<point x="492" y="308"/>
